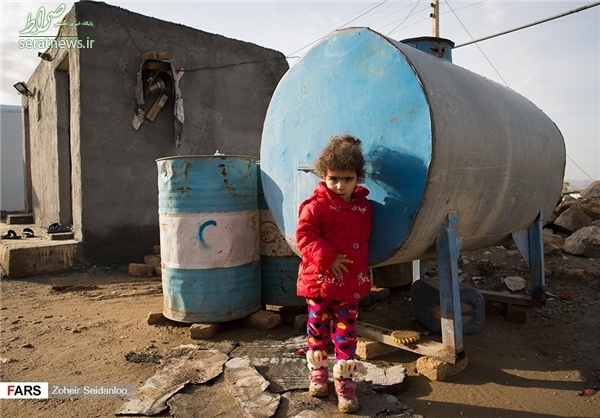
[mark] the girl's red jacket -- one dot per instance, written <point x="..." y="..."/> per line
<point x="329" y="226"/>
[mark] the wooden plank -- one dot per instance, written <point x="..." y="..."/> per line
<point x="424" y="347"/>
<point x="158" y="104"/>
<point x="521" y="300"/>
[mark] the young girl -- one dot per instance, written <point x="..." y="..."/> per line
<point x="333" y="227"/>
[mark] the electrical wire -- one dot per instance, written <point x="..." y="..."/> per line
<point x="345" y="24"/>
<point x="409" y="14"/>
<point x="480" y="50"/>
<point x="588" y="6"/>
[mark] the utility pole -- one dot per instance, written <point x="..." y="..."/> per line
<point x="435" y="23"/>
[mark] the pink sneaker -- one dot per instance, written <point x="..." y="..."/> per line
<point x="346" y="393"/>
<point x="319" y="383"/>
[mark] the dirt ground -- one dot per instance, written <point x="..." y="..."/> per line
<point x="51" y="332"/>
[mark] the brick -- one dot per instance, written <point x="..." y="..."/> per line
<point x="203" y="331"/>
<point x="152" y="260"/>
<point x="263" y="320"/>
<point x="300" y="322"/>
<point x="518" y="314"/>
<point x="140" y="270"/>
<point x="436" y="369"/>
<point x="367" y="349"/>
<point x="495" y="308"/>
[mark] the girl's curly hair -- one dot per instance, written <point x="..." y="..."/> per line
<point x="342" y="153"/>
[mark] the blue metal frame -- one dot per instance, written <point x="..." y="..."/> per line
<point x="530" y="243"/>
<point x="448" y="246"/>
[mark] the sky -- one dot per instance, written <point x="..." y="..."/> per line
<point x="556" y="64"/>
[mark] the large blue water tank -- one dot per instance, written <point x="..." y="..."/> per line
<point x="437" y="138"/>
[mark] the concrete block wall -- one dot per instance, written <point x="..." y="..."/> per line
<point x="90" y="167"/>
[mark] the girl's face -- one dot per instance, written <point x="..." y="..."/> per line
<point x="342" y="183"/>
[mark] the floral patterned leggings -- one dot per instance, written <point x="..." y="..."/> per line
<point x="343" y="332"/>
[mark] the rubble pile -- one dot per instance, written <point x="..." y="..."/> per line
<point x="574" y="226"/>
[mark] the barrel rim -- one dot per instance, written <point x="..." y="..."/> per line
<point x="221" y="156"/>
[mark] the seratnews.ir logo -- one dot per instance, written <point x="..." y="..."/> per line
<point x="23" y="390"/>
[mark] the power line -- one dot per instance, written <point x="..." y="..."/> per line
<point x="407" y="16"/>
<point x="480" y="50"/>
<point x="531" y="24"/>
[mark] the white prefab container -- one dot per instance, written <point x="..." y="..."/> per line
<point x="12" y="167"/>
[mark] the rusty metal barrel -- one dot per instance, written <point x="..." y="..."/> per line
<point x="208" y="216"/>
<point x="437" y="137"/>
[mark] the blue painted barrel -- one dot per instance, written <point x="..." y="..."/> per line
<point x="278" y="263"/>
<point x="208" y="217"/>
<point x="437" y="137"/>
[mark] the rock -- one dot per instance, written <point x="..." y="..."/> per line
<point x="572" y="220"/>
<point x="156" y="249"/>
<point x="436" y="369"/>
<point x="203" y="331"/>
<point x="566" y="203"/>
<point x="154" y="318"/>
<point x="263" y="320"/>
<point x="585" y="242"/>
<point x="591" y="207"/>
<point x="592" y="190"/>
<point x="553" y="243"/>
<point x="514" y="283"/>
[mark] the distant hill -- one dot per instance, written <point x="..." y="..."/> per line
<point x="578" y="185"/>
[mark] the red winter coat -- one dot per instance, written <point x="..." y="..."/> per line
<point x="329" y="226"/>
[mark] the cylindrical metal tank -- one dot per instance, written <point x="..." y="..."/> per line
<point x="208" y="215"/>
<point x="437" y="137"/>
<point x="278" y="263"/>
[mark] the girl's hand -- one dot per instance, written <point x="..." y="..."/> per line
<point x="337" y="267"/>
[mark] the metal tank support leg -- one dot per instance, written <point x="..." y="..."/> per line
<point x="530" y="243"/>
<point x="448" y="246"/>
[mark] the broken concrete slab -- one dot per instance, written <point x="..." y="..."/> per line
<point x="198" y="401"/>
<point x="186" y="364"/>
<point x="249" y="389"/>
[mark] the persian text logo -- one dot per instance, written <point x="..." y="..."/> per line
<point x="42" y="21"/>
<point x="30" y="39"/>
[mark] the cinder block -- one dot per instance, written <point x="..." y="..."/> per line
<point x="368" y="349"/>
<point x="140" y="270"/>
<point x="263" y="320"/>
<point x="203" y="331"/>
